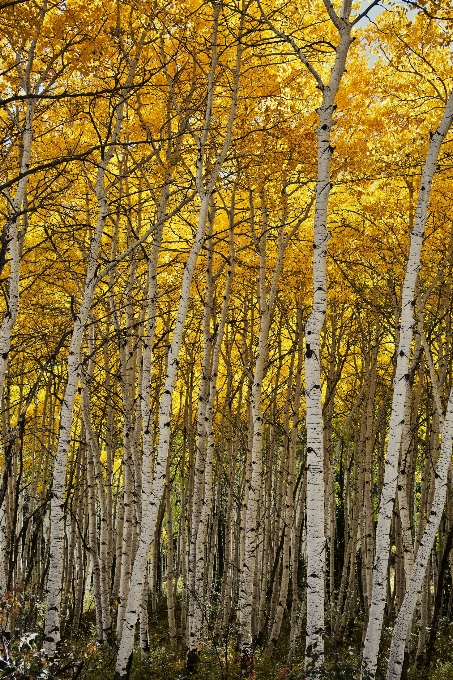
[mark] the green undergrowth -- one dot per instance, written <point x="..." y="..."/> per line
<point x="218" y="661"/>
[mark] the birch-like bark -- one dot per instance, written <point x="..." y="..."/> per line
<point x="266" y="306"/>
<point x="132" y="483"/>
<point x="254" y="473"/>
<point x="12" y="235"/>
<point x="376" y="613"/>
<point x="200" y="457"/>
<point x="54" y="580"/>
<point x="196" y="594"/>
<point x="153" y="486"/>
<point x="407" y="609"/>
<point x="368" y="542"/>
<point x="314" y="645"/>
<point x="145" y="391"/>
<point x="93" y="538"/>
<point x="170" y="563"/>
<point x="33" y="85"/>
<point x="289" y="504"/>
<point x="79" y="576"/>
<point x="231" y="527"/>
<point x="403" y="504"/>
<point x="153" y="489"/>
<point x="102" y="558"/>
<point x="52" y="624"/>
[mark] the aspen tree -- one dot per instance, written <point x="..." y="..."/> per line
<point x="128" y="368"/>
<point x="196" y="612"/>
<point x="102" y="558"/>
<point x="406" y="612"/>
<point x="54" y="584"/>
<point x="313" y="329"/>
<point x="12" y="236"/>
<point x="39" y="69"/>
<point x="152" y="495"/>
<point x="231" y="545"/>
<point x="288" y="527"/>
<point x="376" y="612"/>
<point x="267" y="298"/>
<point x="92" y="538"/>
<point x="170" y="566"/>
<point x="444" y="557"/>
<point x="33" y="85"/>
<point x="145" y="397"/>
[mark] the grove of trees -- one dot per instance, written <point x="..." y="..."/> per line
<point x="226" y="337"/>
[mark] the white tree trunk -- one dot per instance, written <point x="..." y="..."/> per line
<point x="145" y="388"/>
<point x="153" y="486"/>
<point x="248" y="565"/>
<point x="54" y="581"/>
<point x="93" y="537"/>
<point x="11" y="234"/>
<point x="314" y="647"/>
<point x="196" y="594"/>
<point x="57" y="529"/>
<point x="95" y="481"/>
<point x="379" y="591"/>
<point x="289" y="511"/>
<point x="414" y="587"/>
<point x="200" y="457"/>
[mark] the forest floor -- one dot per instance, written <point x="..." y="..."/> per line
<point x="218" y="660"/>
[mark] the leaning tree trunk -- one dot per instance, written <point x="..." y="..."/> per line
<point x="407" y="609"/>
<point x="57" y="525"/>
<point x="401" y="382"/>
<point x="57" y="518"/>
<point x="153" y="488"/>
